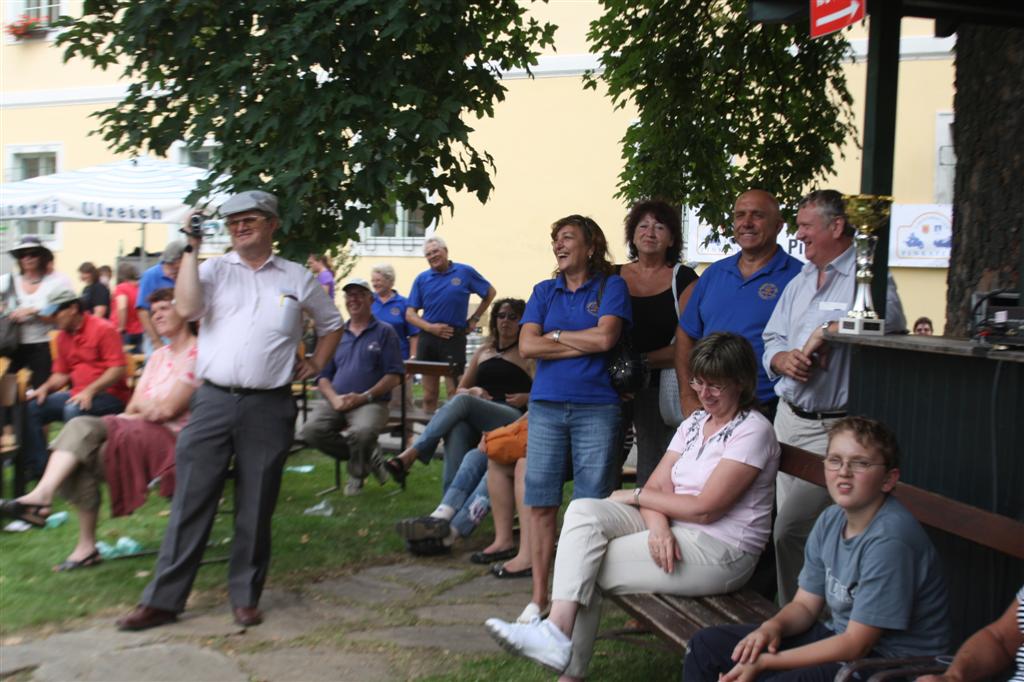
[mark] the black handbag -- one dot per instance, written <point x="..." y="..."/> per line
<point x="626" y="366"/>
<point x="8" y="327"/>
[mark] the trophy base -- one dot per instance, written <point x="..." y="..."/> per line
<point x="862" y="326"/>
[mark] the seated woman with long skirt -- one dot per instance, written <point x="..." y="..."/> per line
<point x="128" y="450"/>
<point x="696" y="528"/>
<point x="493" y="392"/>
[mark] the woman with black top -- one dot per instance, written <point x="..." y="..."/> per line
<point x="654" y="243"/>
<point x="493" y="392"/>
<point x="95" y="295"/>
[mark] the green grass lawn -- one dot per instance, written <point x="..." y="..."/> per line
<point x="33" y="599"/>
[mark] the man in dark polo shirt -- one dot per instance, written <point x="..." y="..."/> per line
<point x="356" y="386"/>
<point x="739" y="293"/>
<point x="442" y="292"/>
<point x="90" y="359"/>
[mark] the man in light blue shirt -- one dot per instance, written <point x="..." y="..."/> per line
<point x="813" y="376"/>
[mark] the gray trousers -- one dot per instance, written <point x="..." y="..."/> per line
<point x="799" y="503"/>
<point x="362" y="426"/>
<point x="257" y="429"/>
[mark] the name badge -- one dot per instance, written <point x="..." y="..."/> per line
<point x="832" y="305"/>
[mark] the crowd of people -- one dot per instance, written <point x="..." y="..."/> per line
<point x="738" y="360"/>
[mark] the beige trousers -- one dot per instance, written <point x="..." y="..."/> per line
<point x="604" y="544"/>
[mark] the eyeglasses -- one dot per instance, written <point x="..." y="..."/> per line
<point x="244" y="221"/>
<point x="32" y="253"/>
<point x="714" y="390"/>
<point x="856" y="466"/>
<point x="507" y="316"/>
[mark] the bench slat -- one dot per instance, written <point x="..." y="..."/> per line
<point x="733" y="607"/>
<point x="661" y="618"/>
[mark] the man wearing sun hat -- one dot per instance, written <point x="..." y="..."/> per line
<point x="249" y="303"/>
<point x="90" y="359"/>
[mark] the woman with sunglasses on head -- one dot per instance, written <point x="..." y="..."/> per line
<point x="696" y="528"/>
<point x="23" y="298"/>
<point x="493" y="392"/>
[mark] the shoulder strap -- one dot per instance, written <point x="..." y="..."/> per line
<point x="675" y="287"/>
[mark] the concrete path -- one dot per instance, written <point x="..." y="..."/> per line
<point x="394" y="622"/>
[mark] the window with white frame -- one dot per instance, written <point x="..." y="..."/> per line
<point x="32" y="164"/>
<point x="47" y="10"/>
<point x="945" y="158"/>
<point x="199" y="158"/>
<point x="402" y="237"/>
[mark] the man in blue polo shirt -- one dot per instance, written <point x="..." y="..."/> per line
<point x="163" y="275"/>
<point x="442" y="292"/>
<point x="356" y="386"/>
<point x="739" y="293"/>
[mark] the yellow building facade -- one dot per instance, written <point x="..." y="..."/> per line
<point x="555" y="145"/>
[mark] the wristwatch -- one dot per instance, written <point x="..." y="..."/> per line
<point x="826" y="325"/>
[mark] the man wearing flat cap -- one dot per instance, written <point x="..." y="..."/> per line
<point x="249" y="303"/>
<point x="356" y="386"/>
<point x="88" y="374"/>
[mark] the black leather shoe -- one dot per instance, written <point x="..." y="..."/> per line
<point x="145" y="617"/>
<point x="247" y="616"/>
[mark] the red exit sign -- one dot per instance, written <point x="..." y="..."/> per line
<point x="829" y="16"/>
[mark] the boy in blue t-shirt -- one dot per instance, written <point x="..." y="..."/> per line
<point x="867" y="559"/>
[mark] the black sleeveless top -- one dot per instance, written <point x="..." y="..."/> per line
<point x="499" y="377"/>
<point x="654" y="317"/>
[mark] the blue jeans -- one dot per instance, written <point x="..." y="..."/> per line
<point x="563" y="435"/>
<point x="57" y="408"/>
<point x="461" y="422"/>
<point x="468" y="493"/>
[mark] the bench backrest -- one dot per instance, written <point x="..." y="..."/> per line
<point x="985" y="528"/>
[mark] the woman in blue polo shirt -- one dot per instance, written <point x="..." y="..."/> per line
<point x="389" y="307"/>
<point x="570" y="324"/>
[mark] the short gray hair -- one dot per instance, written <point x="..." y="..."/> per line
<point x="384" y="270"/>
<point x="434" y="240"/>
<point x="830" y="205"/>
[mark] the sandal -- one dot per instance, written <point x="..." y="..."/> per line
<point x="93" y="559"/>
<point x="397" y="471"/>
<point x="29" y="513"/>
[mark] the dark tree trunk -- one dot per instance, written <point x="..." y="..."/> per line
<point x="988" y="196"/>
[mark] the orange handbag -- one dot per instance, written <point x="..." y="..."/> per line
<point x="507" y="444"/>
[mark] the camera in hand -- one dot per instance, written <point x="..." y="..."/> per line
<point x="195" y="225"/>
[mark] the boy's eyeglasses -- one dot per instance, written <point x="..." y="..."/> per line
<point x="857" y="466"/>
<point x="507" y="316"/>
<point x="714" y="390"/>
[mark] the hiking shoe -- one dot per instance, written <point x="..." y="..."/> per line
<point x="423" y="528"/>
<point x="353" y="487"/>
<point x="428" y="547"/>
<point x="539" y="640"/>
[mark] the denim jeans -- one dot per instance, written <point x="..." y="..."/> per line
<point x="468" y="494"/>
<point x="563" y="435"/>
<point x="461" y="422"/>
<point x="57" y="408"/>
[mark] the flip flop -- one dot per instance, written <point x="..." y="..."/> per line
<point x="397" y="471"/>
<point x="490" y="557"/>
<point x="93" y="559"/>
<point x="29" y="513"/>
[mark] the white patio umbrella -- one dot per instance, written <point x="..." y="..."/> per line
<point x="139" y="190"/>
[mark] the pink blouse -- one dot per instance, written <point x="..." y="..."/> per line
<point x="163" y="371"/>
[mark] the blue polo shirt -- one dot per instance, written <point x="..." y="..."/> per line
<point x="444" y="296"/>
<point x="393" y="313"/>
<point x="584" y="379"/>
<point x="360" y="361"/>
<point x="723" y="301"/>
<point x="151" y="280"/>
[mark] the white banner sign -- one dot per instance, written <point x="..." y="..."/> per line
<point x="921" y="235"/>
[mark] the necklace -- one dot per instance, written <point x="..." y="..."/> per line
<point x="501" y="350"/>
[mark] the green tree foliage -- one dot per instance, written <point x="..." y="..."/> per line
<point x="340" y="107"/>
<point x="724" y="104"/>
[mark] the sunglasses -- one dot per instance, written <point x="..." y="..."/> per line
<point x="507" y="316"/>
<point x="31" y="253"/>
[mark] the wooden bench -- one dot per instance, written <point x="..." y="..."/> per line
<point x="676" y="619"/>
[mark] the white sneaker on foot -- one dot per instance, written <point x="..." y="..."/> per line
<point x="540" y="641"/>
<point x="353" y="487"/>
<point x="529" y="614"/>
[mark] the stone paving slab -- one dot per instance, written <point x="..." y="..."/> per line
<point x="152" y="663"/>
<point x="457" y="638"/>
<point x="363" y="589"/>
<point x="102" y="637"/>
<point x="413" y="574"/>
<point x="469" y="614"/>
<point x="489" y="589"/>
<point x="313" y="665"/>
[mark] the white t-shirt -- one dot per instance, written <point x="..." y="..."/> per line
<point x="750" y="439"/>
<point x="33" y="330"/>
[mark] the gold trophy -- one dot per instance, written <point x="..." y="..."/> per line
<point x="869" y="214"/>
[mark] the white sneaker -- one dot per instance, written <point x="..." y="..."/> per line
<point x="540" y="641"/>
<point x="353" y="487"/>
<point x="529" y="614"/>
